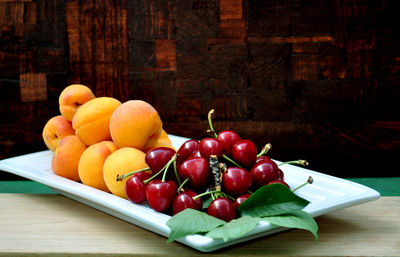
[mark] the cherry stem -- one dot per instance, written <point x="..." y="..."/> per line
<point x="209" y="117"/>
<point x="164" y="169"/>
<point x="206" y="193"/>
<point x="180" y="188"/>
<point x="232" y="161"/>
<point x="301" y="162"/>
<point x="176" y="174"/>
<point x="264" y="150"/>
<point x="310" y="180"/>
<point x="124" y="176"/>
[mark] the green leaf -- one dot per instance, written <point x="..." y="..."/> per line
<point x="296" y="219"/>
<point x="235" y="228"/>
<point x="190" y="222"/>
<point x="207" y="202"/>
<point x="272" y="200"/>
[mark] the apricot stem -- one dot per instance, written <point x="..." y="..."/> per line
<point x="301" y="162"/>
<point x="209" y="117"/>
<point x="310" y="180"/>
<point x="264" y="150"/>
<point x="124" y="176"/>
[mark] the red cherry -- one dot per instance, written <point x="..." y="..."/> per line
<point x="196" y="169"/>
<point x="263" y="172"/>
<point x="195" y="154"/>
<point x="236" y="180"/>
<point x="222" y="208"/>
<point x="158" y="157"/>
<point x="135" y="189"/>
<point x="160" y="194"/>
<point x="240" y="199"/>
<point x="185" y="200"/>
<point x="263" y="158"/>
<point x="281" y="174"/>
<point x="187" y="149"/>
<point x="229" y="138"/>
<point x="279" y="181"/>
<point x="211" y="146"/>
<point x="245" y="152"/>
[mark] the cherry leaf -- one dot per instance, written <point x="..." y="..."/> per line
<point x="235" y="228"/>
<point x="189" y="222"/>
<point x="296" y="219"/>
<point x="272" y="200"/>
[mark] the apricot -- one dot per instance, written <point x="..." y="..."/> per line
<point x="91" y="120"/>
<point x="164" y="141"/>
<point x="72" y="97"/>
<point x="137" y="124"/>
<point x="66" y="158"/>
<point x="56" y="128"/>
<point x="91" y="164"/>
<point x="122" y="161"/>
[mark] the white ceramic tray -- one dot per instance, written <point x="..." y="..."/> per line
<point x="326" y="194"/>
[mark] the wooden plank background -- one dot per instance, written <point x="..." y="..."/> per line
<point x="317" y="79"/>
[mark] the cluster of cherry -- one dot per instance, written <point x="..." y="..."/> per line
<point x="182" y="179"/>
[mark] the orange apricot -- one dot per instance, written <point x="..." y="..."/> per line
<point x="56" y="128"/>
<point x="66" y="158"/>
<point x="91" y="164"/>
<point x="91" y="120"/>
<point x="122" y="161"/>
<point x="72" y="97"/>
<point x="137" y="124"/>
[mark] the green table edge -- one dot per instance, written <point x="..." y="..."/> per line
<point x="385" y="186"/>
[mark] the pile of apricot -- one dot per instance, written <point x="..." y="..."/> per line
<point x="94" y="138"/>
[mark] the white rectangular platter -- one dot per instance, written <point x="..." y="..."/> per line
<point x="326" y="194"/>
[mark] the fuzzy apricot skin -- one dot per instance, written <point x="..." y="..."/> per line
<point x="137" y="124"/>
<point x="66" y="158"/>
<point x="72" y="97"/>
<point x="122" y="161"/>
<point x="91" y="164"/>
<point x="55" y="129"/>
<point x="91" y="121"/>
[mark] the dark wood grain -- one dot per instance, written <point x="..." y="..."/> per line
<point x="317" y="79"/>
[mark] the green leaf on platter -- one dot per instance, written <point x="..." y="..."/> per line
<point x="189" y="222"/>
<point x="272" y="200"/>
<point x="235" y="228"/>
<point x="296" y="219"/>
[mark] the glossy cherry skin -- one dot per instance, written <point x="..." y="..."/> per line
<point x="240" y="199"/>
<point x="281" y="174"/>
<point x="236" y="180"/>
<point x="211" y="146"/>
<point x="185" y="200"/>
<point x="264" y="172"/>
<point x="263" y="158"/>
<point x="160" y="194"/>
<point x="245" y="153"/>
<point x="222" y="208"/>
<point x="158" y="157"/>
<point x="229" y="138"/>
<point x="280" y="182"/>
<point x="187" y="149"/>
<point x="196" y="169"/>
<point x="135" y="189"/>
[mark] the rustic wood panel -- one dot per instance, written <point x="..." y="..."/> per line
<point x="319" y="80"/>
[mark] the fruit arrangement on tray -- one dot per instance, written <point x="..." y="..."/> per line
<point x="220" y="186"/>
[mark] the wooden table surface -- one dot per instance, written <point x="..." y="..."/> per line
<point x="48" y="225"/>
